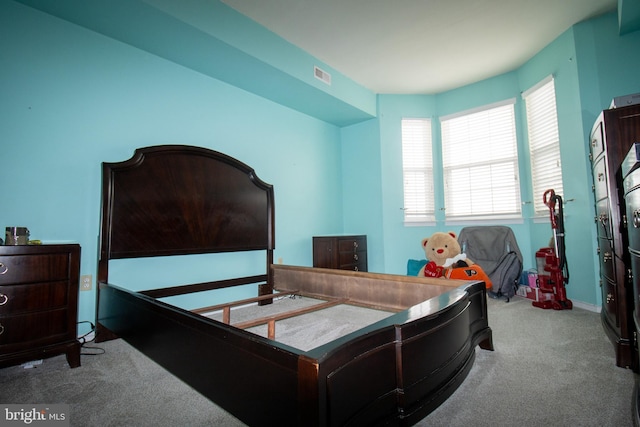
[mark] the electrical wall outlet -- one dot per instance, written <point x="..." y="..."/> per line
<point x="86" y="282"/>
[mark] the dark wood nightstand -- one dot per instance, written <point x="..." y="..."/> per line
<point x="340" y="252"/>
<point x="39" y="303"/>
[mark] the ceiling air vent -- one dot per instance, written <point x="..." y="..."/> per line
<point x="322" y="75"/>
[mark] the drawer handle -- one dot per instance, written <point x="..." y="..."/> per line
<point x="1" y="329"/>
<point x="355" y="245"/>
<point x="607" y="256"/>
<point x="3" y="299"/>
<point x="600" y="177"/>
<point x="636" y="218"/>
<point x="594" y="142"/>
<point x="609" y="298"/>
<point x="355" y="257"/>
<point x="3" y="268"/>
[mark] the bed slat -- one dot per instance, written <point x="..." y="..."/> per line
<point x="289" y="314"/>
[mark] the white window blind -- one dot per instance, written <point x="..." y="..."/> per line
<point x="417" y="170"/>
<point x="480" y="161"/>
<point x="544" y="142"/>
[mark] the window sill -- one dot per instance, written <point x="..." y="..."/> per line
<point x="538" y="219"/>
<point x="488" y="220"/>
<point x="420" y="223"/>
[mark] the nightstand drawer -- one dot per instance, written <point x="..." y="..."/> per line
<point x="33" y="268"/>
<point x="33" y="329"/>
<point x="352" y="244"/>
<point x="354" y="266"/>
<point x="347" y="259"/>
<point x="39" y="303"/>
<point x="351" y="257"/>
<point x="32" y="297"/>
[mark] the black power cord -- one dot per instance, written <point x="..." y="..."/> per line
<point x="95" y="351"/>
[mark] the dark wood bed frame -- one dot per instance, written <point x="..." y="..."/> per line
<point x="181" y="200"/>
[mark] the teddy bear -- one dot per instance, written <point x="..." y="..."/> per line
<point x="442" y="251"/>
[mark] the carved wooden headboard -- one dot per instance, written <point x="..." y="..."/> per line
<point x="177" y="200"/>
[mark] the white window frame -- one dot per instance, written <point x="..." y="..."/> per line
<point x="480" y="163"/>
<point x="544" y="142"/>
<point x="417" y="171"/>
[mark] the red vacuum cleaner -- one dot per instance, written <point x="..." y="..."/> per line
<point x="553" y="272"/>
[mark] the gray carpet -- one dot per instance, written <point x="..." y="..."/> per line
<point x="549" y="368"/>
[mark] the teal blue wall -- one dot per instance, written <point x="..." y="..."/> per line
<point x="210" y="37"/>
<point x="591" y="63"/>
<point x="361" y="180"/>
<point x="607" y="64"/>
<point x="72" y="98"/>
<point x="399" y="241"/>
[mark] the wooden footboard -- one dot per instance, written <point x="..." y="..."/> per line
<point x="393" y="372"/>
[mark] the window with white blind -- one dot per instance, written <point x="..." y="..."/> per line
<point x="480" y="162"/>
<point x="544" y="142"/>
<point x="417" y="170"/>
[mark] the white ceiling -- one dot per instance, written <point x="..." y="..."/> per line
<point x="420" y="46"/>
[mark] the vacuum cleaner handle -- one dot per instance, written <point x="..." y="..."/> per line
<point x="550" y="201"/>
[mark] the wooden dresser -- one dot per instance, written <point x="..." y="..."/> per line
<point x="631" y="183"/>
<point x="39" y="303"/>
<point x="340" y="252"/>
<point x="612" y="135"/>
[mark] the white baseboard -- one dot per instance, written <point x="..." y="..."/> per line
<point x="585" y="306"/>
